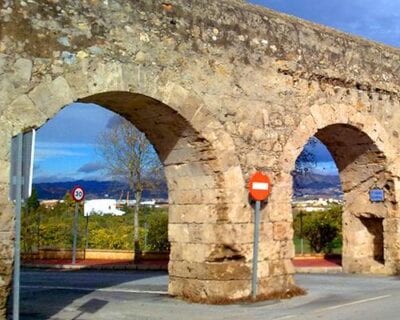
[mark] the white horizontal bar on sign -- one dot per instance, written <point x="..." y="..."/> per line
<point x="260" y="186"/>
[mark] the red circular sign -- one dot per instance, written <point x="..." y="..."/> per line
<point x="78" y="194"/>
<point x="259" y="186"/>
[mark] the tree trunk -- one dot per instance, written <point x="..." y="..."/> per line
<point x="136" y="246"/>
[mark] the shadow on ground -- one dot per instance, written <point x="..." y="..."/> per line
<point x="58" y="289"/>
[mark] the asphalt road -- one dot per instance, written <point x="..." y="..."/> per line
<point x="142" y="295"/>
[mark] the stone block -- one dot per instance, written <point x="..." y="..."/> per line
<point x="22" y="71"/>
<point x="7" y="93"/>
<point x="203" y="213"/>
<point x="6" y="217"/>
<point x="50" y="97"/>
<point x="226" y="270"/>
<point x="77" y="78"/>
<point x="209" y="291"/>
<point x="24" y="114"/>
<point x="105" y="77"/>
<point x="194" y="170"/>
<point x="4" y="171"/>
<point x="275" y="286"/>
<point x="188" y="183"/>
<point x="210" y="233"/>
<point x="179" y="156"/>
<point x="283" y="231"/>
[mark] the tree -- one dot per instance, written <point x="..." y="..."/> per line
<point x="158" y="231"/>
<point x="129" y="156"/>
<point x="31" y="228"/>
<point x="320" y="228"/>
<point x="33" y="202"/>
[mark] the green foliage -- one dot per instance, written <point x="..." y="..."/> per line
<point x="321" y="229"/>
<point x="319" y="234"/>
<point x="33" y="202"/>
<point x="52" y="228"/>
<point x="157" y="237"/>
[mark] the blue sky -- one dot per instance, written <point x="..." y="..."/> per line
<point x="65" y="145"/>
<point x="377" y="20"/>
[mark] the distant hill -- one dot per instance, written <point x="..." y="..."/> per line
<point x="305" y="185"/>
<point x="93" y="189"/>
<point x="313" y="185"/>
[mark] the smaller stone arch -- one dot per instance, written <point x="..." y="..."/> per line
<point x="365" y="158"/>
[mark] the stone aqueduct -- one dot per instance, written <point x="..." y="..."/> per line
<point x="221" y="88"/>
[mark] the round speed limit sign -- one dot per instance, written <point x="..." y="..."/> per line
<point x="78" y="194"/>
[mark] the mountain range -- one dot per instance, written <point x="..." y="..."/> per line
<point x="306" y="185"/>
<point x="313" y="185"/>
<point x="94" y="190"/>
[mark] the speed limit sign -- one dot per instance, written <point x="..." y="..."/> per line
<point x="78" y="194"/>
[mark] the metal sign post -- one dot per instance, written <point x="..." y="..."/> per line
<point x="255" y="249"/>
<point x="78" y="194"/>
<point x="75" y="233"/>
<point x="22" y="150"/>
<point x="18" y="200"/>
<point x="259" y="188"/>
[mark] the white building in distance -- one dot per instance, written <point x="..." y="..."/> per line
<point x="102" y="207"/>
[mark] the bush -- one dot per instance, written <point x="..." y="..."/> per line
<point x="157" y="234"/>
<point x="52" y="228"/>
<point x="322" y="229"/>
<point x="319" y="234"/>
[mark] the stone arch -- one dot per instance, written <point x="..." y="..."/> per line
<point x="205" y="181"/>
<point x="365" y="158"/>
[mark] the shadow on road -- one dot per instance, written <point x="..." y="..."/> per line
<point x="59" y="289"/>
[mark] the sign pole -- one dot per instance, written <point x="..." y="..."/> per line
<point x="18" y="200"/>
<point x="259" y="187"/>
<point x="87" y="234"/>
<point x="75" y="233"/>
<point x="255" y="249"/>
<point x="301" y="233"/>
<point x="78" y="194"/>
<point x="22" y="150"/>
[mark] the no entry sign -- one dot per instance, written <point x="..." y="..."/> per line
<point x="78" y="194"/>
<point x="259" y="186"/>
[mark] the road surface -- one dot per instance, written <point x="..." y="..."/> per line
<point x="142" y="295"/>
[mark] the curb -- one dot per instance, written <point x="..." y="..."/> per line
<point x="97" y="267"/>
<point x="318" y="269"/>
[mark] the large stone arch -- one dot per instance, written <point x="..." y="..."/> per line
<point x="208" y="223"/>
<point x="365" y="158"/>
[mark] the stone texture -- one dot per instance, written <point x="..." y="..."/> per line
<point x="221" y="88"/>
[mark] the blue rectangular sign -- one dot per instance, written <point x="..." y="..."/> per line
<point x="376" y="195"/>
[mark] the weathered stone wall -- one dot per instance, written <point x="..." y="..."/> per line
<point x="221" y="88"/>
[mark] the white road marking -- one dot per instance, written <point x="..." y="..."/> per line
<point x="290" y="316"/>
<point x="96" y="289"/>
<point x="353" y="303"/>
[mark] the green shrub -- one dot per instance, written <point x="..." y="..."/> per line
<point x="322" y="229"/>
<point x="52" y="228"/>
<point x="157" y="233"/>
<point x="319" y="234"/>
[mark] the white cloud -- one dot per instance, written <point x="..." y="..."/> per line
<point x="47" y="150"/>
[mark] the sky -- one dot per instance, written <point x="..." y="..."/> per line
<point x="377" y="20"/>
<point x="65" y="148"/>
<point x="66" y="144"/>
